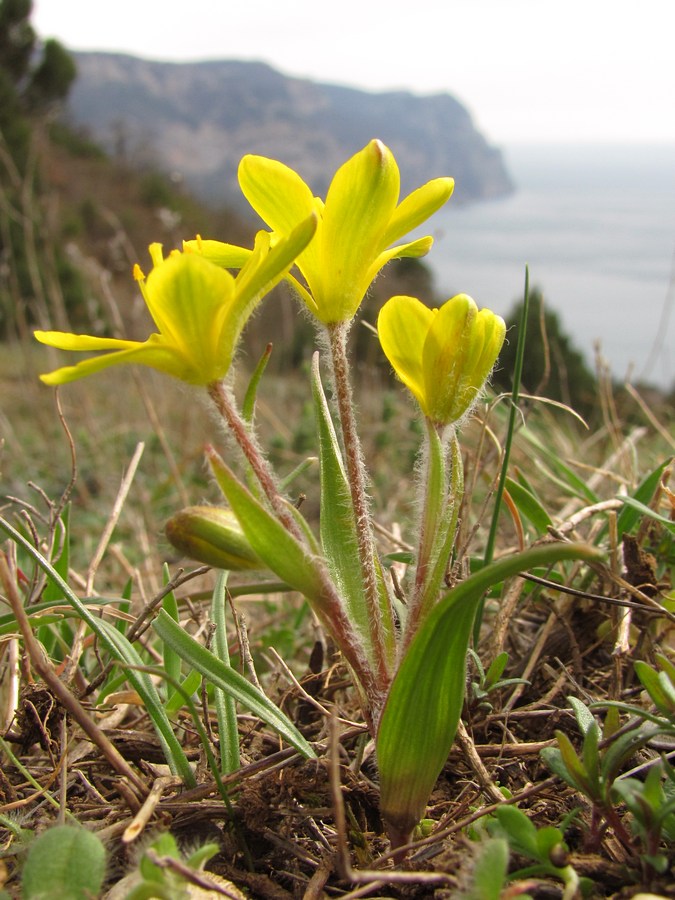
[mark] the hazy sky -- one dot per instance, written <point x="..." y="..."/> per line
<point x="528" y="70"/>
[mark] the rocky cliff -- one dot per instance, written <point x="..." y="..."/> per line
<point x="198" y="119"/>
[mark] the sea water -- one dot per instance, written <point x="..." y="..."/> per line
<point x="596" y="226"/>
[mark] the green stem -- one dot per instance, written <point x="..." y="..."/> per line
<point x="432" y="503"/>
<point x="440" y="511"/>
<point x="378" y="611"/>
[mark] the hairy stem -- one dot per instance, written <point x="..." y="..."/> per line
<point x="259" y="465"/>
<point x="380" y="630"/>
<point x="331" y="614"/>
<point x="442" y="490"/>
<point x="434" y="489"/>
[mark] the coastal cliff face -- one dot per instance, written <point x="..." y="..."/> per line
<point x="196" y="120"/>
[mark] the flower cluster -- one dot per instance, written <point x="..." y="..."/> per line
<point x="338" y="246"/>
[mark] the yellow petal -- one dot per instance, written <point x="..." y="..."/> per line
<point x="418" y="206"/>
<point x="282" y="200"/>
<point x="64" y="341"/>
<point x="402" y="326"/>
<point x="148" y="353"/>
<point x="413" y="250"/>
<point x="189" y="298"/>
<point x="229" y="256"/>
<point x="493" y="340"/>
<point x="277" y="193"/>
<point x="459" y="353"/>
<point x="360" y="202"/>
<point x="266" y="267"/>
<point x="445" y="350"/>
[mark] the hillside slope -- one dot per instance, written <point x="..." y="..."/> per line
<point x="196" y="120"/>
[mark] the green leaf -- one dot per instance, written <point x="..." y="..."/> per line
<point x="658" y="686"/>
<point x="60" y="558"/>
<point x="567" y="478"/>
<point x="585" y="718"/>
<point x="665" y="665"/>
<point x="489" y="871"/>
<point x="227" y="679"/>
<point x="267" y="536"/>
<point x="642" y="509"/>
<point x="248" y="406"/>
<point x="337" y="524"/>
<point x="190" y="685"/>
<point x="591" y="757"/>
<point x="553" y="758"/>
<point x="519" y="830"/>
<point x="422" y="709"/>
<point x="64" y="863"/>
<point x="43" y="614"/>
<point x="621" y="750"/>
<point x="529" y="506"/>
<point x="548" y="837"/>
<point x="629" y="516"/>
<point x="576" y="775"/>
<point x="496" y="669"/>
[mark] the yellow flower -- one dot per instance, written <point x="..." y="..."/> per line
<point x="199" y="310"/>
<point x="358" y="224"/>
<point x="443" y="356"/>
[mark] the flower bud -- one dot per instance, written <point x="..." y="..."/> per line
<point x="443" y="356"/>
<point x="212" y="535"/>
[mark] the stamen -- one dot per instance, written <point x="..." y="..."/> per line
<point x="155" y="251"/>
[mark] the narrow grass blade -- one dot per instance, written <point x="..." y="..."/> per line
<point x="190" y="685"/>
<point x="141" y="681"/>
<point x="172" y="662"/>
<point x="643" y="510"/>
<point x="225" y="678"/>
<point x="47" y="613"/>
<point x="529" y="506"/>
<point x="515" y="394"/>
<point x="64" y="589"/>
<point x="226" y="710"/>
<point x="501" y="484"/>
<point x="60" y="557"/>
<point x="630" y="515"/>
<point x="123" y="651"/>
<point x="248" y="406"/>
<point x="424" y="703"/>
<point x="564" y="476"/>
